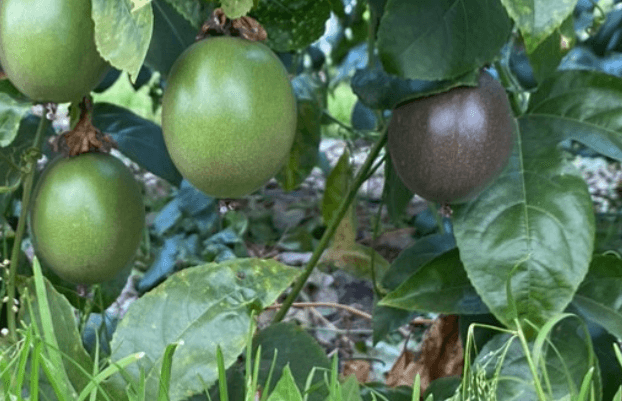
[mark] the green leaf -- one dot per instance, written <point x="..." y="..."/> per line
<point x="139" y="139"/>
<point x="546" y="57"/>
<point x="534" y="226"/>
<point x="172" y="34"/>
<point x="296" y="348"/>
<point x="286" y="389"/>
<point x="567" y="359"/>
<point x="122" y="34"/>
<point x="350" y="390"/>
<point x="580" y="105"/>
<point x="189" y="9"/>
<point x="396" y="195"/>
<point x="599" y="297"/>
<point x="386" y="319"/>
<point x="11" y="113"/>
<point x="236" y="8"/>
<point x="441" y="286"/>
<point x="204" y="306"/>
<point x="434" y="40"/>
<point x="538" y="19"/>
<point x="75" y="360"/>
<point x="304" y="154"/>
<point x="337" y="185"/>
<point x="292" y="25"/>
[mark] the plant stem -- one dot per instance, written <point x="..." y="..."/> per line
<point x="21" y="227"/>
<point x="330" y="230"/>
<point x="437" y="217"/>
<point x="530" y="362"/>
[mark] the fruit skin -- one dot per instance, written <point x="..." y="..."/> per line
<point x="228" y="115"/>
<point x="47" y="48"/>
<point x="87" y="217"/>
<point x="449" y="147"/>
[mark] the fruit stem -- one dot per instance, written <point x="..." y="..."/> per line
<point x="21" y="227"/>
<point x="361" y="176"/>
<point x="437" y="217"/>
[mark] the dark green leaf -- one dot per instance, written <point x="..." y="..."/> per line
<point x="538" y="19"/>
<point x="441" y="286"/>
<point x="204" y="306"/>
<point x="396" y="195"/>
<point x="414" y="257"/>
<point x="304" y="154"/>
<point x="296" y="348"/>
<point x="139" y="139"/>
<point x="580" y="105"/>
<point x="189" y="9"/>
<point x="442" y="388"/>
<point x="599" y="297"/>
<point x="122" y="34"/>
<point x="533" y="225"/>
<point x="172" y="34"/>
<point x="546" y="57"/>
<point x="386" y="319"/>
<point x="401" y="393"/>
<point x="292" y="25"/>
<point x="434" y="40"/>
<point x="378" y="90"/>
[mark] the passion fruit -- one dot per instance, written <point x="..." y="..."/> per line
<point x="87" y="217"/>
<point x="449" y="147"/>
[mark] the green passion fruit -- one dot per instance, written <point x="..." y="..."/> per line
<point x="228" y="115"/>
<point x="449" y="147"/>
<point x="87" y="217"/>
<point x="47" y="48"/>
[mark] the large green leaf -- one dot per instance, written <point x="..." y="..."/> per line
<point x="441" y="286"/>
<point x="297" y="349"/>
<point x="122" y="34"/>
<point x="286" y="389"/>
<point x="292" y="25"/>
<point x="203" y="306"/>
<point x="599" y="296"/>
<point x="440" y="39"/>
<point x="538" y="19"/>
<point x="534" y="226"/>
<point x="581" y="105"/>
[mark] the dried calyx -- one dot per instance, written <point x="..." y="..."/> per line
<point x="84" y="137"/>
<point x="220" y="25"/>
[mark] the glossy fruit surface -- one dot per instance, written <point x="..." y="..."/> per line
<point x="47" y="48"/>
<point x="449" y="147"/>
<point x="228" y="115"/>
<point x="87" y="217"/>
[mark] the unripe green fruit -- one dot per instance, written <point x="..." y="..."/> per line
<point x="47" y="48"/>
<point x="87" y="217"/>
<point x="228" y="115"/>
<point x="449" y="147"/>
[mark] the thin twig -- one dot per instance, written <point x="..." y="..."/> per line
<point x="350" y="309"/>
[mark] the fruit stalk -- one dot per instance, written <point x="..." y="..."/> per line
<point x="361" y="176"/>
<point x="21" y="226"/>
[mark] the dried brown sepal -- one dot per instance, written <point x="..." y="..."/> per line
<point x="445" y="210"/>
<point x="244" y="27"/>
<point x="84" y="138"/>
